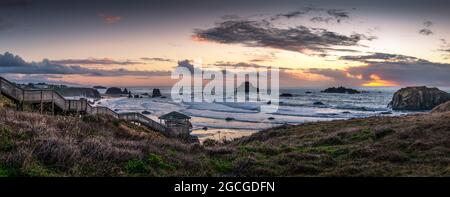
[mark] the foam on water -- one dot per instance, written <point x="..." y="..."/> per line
<point x="302" y="107"/>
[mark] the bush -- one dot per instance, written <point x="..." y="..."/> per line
<point x="136" y="166"/>
<point x="6" y="142"/>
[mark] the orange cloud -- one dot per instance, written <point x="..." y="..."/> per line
<point x="109" y="19"/>
<point x="377" y="81"/>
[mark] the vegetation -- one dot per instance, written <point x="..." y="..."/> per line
<point x="41" y="145"/>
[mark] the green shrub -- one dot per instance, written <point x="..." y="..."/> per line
<point x="136" y="166"/>
<point x="4" y="172"/>
<point x="157" y="161"/>
<point x="6" y="141"/>
<point x="221" y="165"/>
<point x="37" y="170"/>
<point x="363" y="135"/>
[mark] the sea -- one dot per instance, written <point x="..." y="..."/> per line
<point x="228" y="120"/>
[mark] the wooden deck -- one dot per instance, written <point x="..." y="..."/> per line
<point x="45" y="96"/>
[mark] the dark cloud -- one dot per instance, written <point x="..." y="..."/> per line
<point x="239" y="65"/>
<point x="14" y="64"/>
<point x="316" y="14"/>
<point x="337" y="76"/>
<point x="339" y="15"/>
<point x="289" y="15"/>
<point x="319" y="19"/>
<point x="104" y="61"/>
<point x="445" y="49"/>
<point x="260" y="34"/>
<point x="157" y="59"/>
<point x="186" y="64"/>
<point x="383" y="57"/>
<point x="33" y="78"/>
<point x="418" y="73"/>
<point x="404" y="70"/>
<point x="426" y="31"/>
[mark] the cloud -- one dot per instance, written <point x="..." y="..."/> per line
<point x="261" y="34"/>
<point x="157" y="59"/>
<point x="428" y="23"/>
<point x="426" y="31"/>
<point x="383" y="57"/>
<point x="315" y="14"/>
<point x="32" y="78"/>
<point x="109" y="19"/>
<point x="445" y="48"/>
<point x="104" y="61"/>
<point x="14" y="64"/>
<point x="389" y="68"/>
<point x="289" y="15"/>
<point x="186" y="64"/>
<point x="238" y="65"/>
<point x="338" y="14"/>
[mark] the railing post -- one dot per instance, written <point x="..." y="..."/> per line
<point x="42" y="106"/>
<point x="53" y="103"/>
<point x="1" y="96"/>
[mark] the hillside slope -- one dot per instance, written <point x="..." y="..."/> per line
<point x="39" y="145"/>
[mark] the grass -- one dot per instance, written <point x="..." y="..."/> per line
<point x="40" y="145"/>
<point x="6" y="140"/>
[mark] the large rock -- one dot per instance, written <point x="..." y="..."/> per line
<point x="156" y="93"/>
<point x="444" y="107"/>
<point x="341" y="90"/>
<point x="78" y="92"/>
<point x="114" y="90"/>
<point x="418" y="98"/>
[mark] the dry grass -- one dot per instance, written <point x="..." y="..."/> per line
<point x="39" y="145"/>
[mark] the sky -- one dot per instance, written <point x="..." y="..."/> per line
<point x="313" y="43"/>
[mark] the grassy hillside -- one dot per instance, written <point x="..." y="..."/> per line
<point x="39" y="145"/>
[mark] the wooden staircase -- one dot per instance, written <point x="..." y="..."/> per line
<point x="44" y="96"/>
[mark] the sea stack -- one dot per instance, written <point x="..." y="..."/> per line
<point x="114" y="90"/>
<point x="418" y="98"/>
<point x="341" y="90"/>
<point x="156" y="93"/>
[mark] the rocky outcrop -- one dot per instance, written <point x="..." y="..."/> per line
<point x="341" y="90"/>
<point x="114" y="90"/>
<point x="444" y="107"/>
<point x="286" y="95"/>
<point x="78" y="92"/>
<point x="99" y="87"/>
<point x="156" y="93"/>
<point x="418" y="98"/>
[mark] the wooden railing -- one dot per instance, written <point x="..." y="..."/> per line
<point x="41" y="96"/>
<point x="137" y="117"/>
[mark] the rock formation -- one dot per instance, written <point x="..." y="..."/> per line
<point x="78" y="92"/>
<point x="418" y="98"/>
<point x="341" y="90"/>
<point x="444" y="107"/>
<point x="156" y="93"/>
<point x="114" y="90"/>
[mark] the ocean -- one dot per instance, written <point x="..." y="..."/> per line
<point x="209" y="119"/>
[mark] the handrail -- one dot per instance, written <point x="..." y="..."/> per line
<point x="130" y="116"/>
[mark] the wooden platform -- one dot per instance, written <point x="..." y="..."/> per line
<point x="47" y="96"/>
